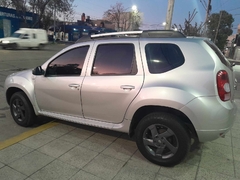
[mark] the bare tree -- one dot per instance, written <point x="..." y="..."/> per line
<point x="114" y="14"/>
<point x="188" y="29"/>
<point x="43" y="8"/>
<point x="122" y="17"/>
<point x="5" y="3"/>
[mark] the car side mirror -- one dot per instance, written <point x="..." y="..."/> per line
<point x="38" y="71"/>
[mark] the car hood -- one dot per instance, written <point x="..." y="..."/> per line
<point x="9" y="39"/>
<point x="27" y="74"/>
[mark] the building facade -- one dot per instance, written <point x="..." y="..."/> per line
<point x="11" y="20"/>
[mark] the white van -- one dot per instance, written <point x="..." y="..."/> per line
<point x="25" y="38"/>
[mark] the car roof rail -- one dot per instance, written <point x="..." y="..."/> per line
<point x="162" y="34"/>
<point x="119" y="34"/>
<point x="140" y="34"/>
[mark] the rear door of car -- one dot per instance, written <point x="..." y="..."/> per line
<point x="114" y="78"/>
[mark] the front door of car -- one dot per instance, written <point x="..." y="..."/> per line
<point x="113" y="80"/>
<point x="25" y="40"/>
<point x="59" y="90"/>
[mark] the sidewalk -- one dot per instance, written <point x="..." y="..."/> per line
<point x="70" y="151"/>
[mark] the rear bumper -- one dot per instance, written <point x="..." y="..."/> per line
<point x="211" y="117"/>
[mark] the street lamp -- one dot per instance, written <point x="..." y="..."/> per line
<point x="134" y="12"/>
<point x="134" y="8"/>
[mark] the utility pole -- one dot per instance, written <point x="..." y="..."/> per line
<point x="54" y="24"/>
<point x="219" y="21"/>
<point x="169" y="14"/>
<point x="209" y="8"/>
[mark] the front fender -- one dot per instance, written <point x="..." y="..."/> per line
<point x="23" y="81"/>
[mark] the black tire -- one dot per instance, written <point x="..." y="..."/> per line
<point x="162" y="139"/>
<point x="40" y="46"/>
<point x="22" y="110"/>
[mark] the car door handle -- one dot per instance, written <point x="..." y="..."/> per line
<point x="74" y="86"/>
<point x="127" y="87"/>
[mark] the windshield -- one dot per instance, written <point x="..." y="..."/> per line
<point x="17" y="35"/>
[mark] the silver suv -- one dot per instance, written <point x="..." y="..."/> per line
<point x="162" y="87"/>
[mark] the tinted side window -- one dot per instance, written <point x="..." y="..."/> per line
<point x="163" y="57"/>
<point x="34" y="36"/>
<point x="68" y="64"/>
<point x="26" y="36"/>
<point x="115" y="59"/>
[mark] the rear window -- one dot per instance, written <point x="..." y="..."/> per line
<point x="219" y="54"/>
<point x="163" y="57"/>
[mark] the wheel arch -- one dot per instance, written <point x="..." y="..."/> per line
<point x="145" y="110"/>
<point x="11" y="90"/>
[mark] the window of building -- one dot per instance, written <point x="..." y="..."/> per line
<point x="68" y="64"/>
<point x="115" y="59"/>
<point x="163" y="57"/>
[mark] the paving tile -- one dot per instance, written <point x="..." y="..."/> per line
<point x="218" y="150"/>
<point x="204" y="174"/>
<point x="237" y="168"/>
<point x="180" y="171"/>
<point x="236" y="154"/>
<point x="236" y="142"/>
<point x="224" y="141"/>
<point x="104" y="166"/>
<point x="217" y="164"/>
<point x="161" y="177"/>
<point x="58" y="130"/>
<point x="78" y="156"/>
<point x="98" y="142"/>
<point x="13" y="153"/>
<point x="31" y="163"/>
<point x="236" y="126"/>
<point x="1" y="165"/>
<point x="193" y="157"/>
<point x="82" y="175"/>
<point x="37" y="140"/>
<point x="56" y="148"/>
<point x="77" y="136"/>
<point x="137" y="160"/>
<point x="56" y="170"/>
<point x="235" y="133"/>
<point x="121" y="149"/>
<point x="7" y="173"/>
<point x="131" y="173"/>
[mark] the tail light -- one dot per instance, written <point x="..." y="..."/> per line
<point x="223" y="85"/>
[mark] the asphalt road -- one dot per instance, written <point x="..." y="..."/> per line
<point x="16" y="60"/>
<point x="25" y="59"/>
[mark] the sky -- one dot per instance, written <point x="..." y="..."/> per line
<point x="154" y="11"/>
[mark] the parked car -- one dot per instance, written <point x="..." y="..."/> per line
<point x="160" y="86"/>
<point x="25" y="38"/>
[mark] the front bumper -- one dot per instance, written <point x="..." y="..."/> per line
<point x="6" y="45"/>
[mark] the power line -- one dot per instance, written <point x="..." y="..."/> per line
<point x="234" y="9"/>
